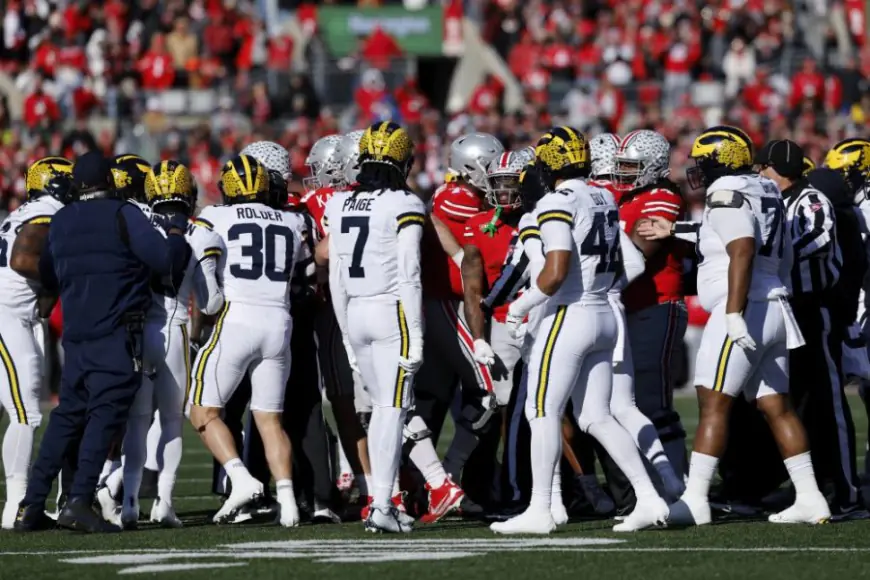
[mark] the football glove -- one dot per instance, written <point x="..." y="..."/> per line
<point x="414" y="360"/>
<point x="483" y="353"/>
<point x="515" y="327"/>
<point x="737" y="331"/>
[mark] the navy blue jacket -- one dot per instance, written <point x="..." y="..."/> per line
<point x="100" y="256"/>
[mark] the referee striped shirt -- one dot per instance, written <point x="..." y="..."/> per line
<point x="817" y="256"/>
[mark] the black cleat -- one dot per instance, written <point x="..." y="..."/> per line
<point x="32" y="518"/>
<point x="79" y="515"/>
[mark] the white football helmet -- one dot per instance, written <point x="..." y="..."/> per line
<point x="344" y="163"/>
<point x="503" y="178"/>
<point x="642" y="159"/>
<point x="273" y="157"/>
<point x="602" y="149"/>
<point x="471" y="154"/>
<point x="318" y="162"/>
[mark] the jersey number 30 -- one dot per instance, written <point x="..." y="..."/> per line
<point x="356" y="270"/>
<point x="263" y="251"/>
<point x="595" y="243"/>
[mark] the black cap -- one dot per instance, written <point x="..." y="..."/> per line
<point x="92" y="172"/>
<point x="784" y="156"/>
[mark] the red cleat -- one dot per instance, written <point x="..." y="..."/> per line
<point x="442" y="501"/>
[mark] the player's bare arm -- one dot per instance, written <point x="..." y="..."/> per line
<point x="448" y="242"/>
<point x="45" y="302"/>
<point x="321" y="253"/>
<point x="473" y="283"/>
<point x="741" y="253"/>
<point x="555" y="271"/>
<point x="26" y="250"/>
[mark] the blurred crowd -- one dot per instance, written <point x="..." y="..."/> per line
<point x="776" y="68"/>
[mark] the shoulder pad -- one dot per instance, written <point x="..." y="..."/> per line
<point x="725" y="198"/>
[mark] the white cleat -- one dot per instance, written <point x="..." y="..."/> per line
<point x="386" y="520"/>
<point x="558" y="511"/>
<point x="690" y="511"/>
<point x="163" y="513"/>
<point x="528" y="522"/>
<point x="289" y="515"/>
<point x="109" y="508"/>
<point x="241" y="495"/>
<point x="649" y="513"/>
<point x="812" y="510"/>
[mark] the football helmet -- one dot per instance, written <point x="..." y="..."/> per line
<point x="318" y="162"/>
<point x="170" y="181"/>
<point x="851" y="158"/>
<point x="386" y="143"/>
<point x="276" y="160"/>
<point x="49" y="176"/>
<point x="602" y="149"/>
<point x="344" y="161"/>
<point x="562" y="153"/>
<point x="642" y="159"/>
<point x="809" y="165"/>
<point x="719" y="151"/>
<point x="471" y="154"/>
<point x="243" y="179"/>
<point x="503" y="178"/>
<point x="128" y="175"/>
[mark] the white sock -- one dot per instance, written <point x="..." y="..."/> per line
<point x="396" y="487"/>
<point x="370" y="483"/>
<point x="284" y="492"/>
<point x="622" y="449"/>
<point x="343" y="463"/>
<point x="134" y="457"/>
<point x="545" y="450"/>
<point x="114" y="480"/>
<point x="170" y="443"/>
<point x="800" y="470"/>
<point x="644" y="434"/>
<point x="236" y="471"/>
<point x="556" y="490"/>
<point x="16" y="488"/>
<point x="17" y="450"/>
<point x="108" y="467"/>
<point x="362" y="483"/>
<point x="701" y="470"/>
<point x="152" y="458"/>
<point x="385" y="448"/>
<point x="425" y="458"/>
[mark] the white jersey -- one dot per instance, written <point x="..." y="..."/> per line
<point x="17" y="294"/>
<point x="172" y="306"/>
<point x="364" y="229"/>
<point x="262" y="248"/>
<point x="584" y="220"/>
<point x="741" y="206"/>
<point x="530" y="242"/>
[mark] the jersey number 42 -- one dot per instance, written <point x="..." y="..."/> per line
<point x="595" y="243"/>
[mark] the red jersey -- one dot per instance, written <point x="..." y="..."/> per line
<point x="662" y="280"/>
<point x="494" y="250"/>
<point x="315" y="203"/>
<point x="453" y="204"/>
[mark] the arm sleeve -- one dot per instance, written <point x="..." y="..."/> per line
<point x="409" y="286"/>
<point x="208" y="293"/>
<point x="732" y="223"/>
<point x="632" y="258"/>
<point x="165" y="256"/>
<point x="336" y="290"/>
<point x="812" y="226"/>
<point x="47" y="276"/>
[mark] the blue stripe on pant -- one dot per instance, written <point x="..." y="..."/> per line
<point x="516" y="467"/>
<point x="98" y="385"/>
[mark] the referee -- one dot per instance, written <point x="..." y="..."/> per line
<point x="816" y="368"/>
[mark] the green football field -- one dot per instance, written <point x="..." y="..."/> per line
<point x="745" y="550"/>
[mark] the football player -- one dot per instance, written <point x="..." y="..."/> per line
<point x="128" y="172"/>
<point x="579" y="228"/>
<point x="656" y="315"/>
<point x="743" y="275"/>
<point x="374" y="273"/>
<point x="22" y="237"/>
<point x="252" y="331"/>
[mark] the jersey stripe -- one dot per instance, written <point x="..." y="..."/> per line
<point x="722" y="364"/>
<point x="14" y="385"/>
<point x="401" y="374"/>
<point x="407" y="219"/>
<point x="185" y="339"/>
<point x="556" y="215"/>
<point x="546" y="362"/>
<point x="39" y="220"/>
<point x="209" y="252"/>
<point x="204" y="223"/>
<point x="530" y="232"/>
<point x="206" y="354"/>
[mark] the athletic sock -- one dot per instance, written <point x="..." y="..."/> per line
<point x="236" y="471"/>
<point x="546" y="446"/>
<point x="152" y="457"/>
<point x="171" y="445"/>
<point x="134" y="457"/>
<point x="284" y="492"/>
<point x="114" y="480"/>
<point x="622" y="449"/>
<point x="424" y="457"/>
<point x="701" y="470"/>
<point x="800" y="470"/>
<point x="385" y="447"/>
<point x="108" y="467"/>
<point x="17" y="449"/>
<point x="556" y="490"/>
<point x="343" y="463"/>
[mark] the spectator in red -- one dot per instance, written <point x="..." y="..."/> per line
<point x="487" y="96"/>
<point x="156" y="67"/>
<point x="280" y="53"/>
<point x="380" y="48"/>
<point x="371" y="90"/>
<point x="808" y="84"/>
<point x="524" y="55"/>
<point x="759" y="95"/>
<point x="411" y="102"/>
<point x="558" y="59"/>
<point x="84" y="100"/>
<point x="218" y="38"/>
<point x="611" y="104"/>
<point x="40" y="109"/>
<point x="679" y="61"/>
<point x="46" y="57"/>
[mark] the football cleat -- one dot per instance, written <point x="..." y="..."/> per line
<point x="288" y="517"/>
<point x="442" y="500"/>
<point x="109" y="507"/>
<point x="530" y="521"/>
<point x="386" y="520"/>
<point x="323" y="514"/>
<point x="163" y="513"/>
<point x="241" y="495"/>
<point x="647" y="514"/>
<point x="557" y="510"/>
<point x="806" y="510"/>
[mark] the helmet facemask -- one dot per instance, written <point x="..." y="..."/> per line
<point x="503" y="190"/>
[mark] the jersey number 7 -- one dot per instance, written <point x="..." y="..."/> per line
<point x="595" y="243"/>
<point x="4" y="249"/>
<point x="768" y="206"/>
<point x="361" y="222"/>
<point x="263" y="252"/>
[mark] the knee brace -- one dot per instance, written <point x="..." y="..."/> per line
<point x="416" y="429"/>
